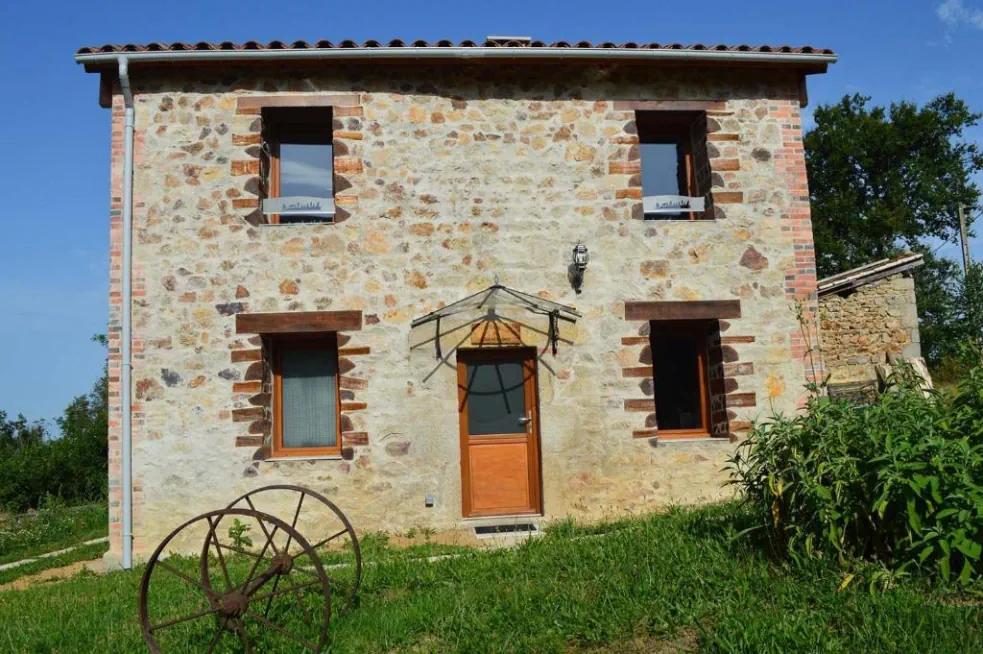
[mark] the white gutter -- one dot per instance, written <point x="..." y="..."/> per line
<point x="410" y="52"/>
<point x="126" y="364"/>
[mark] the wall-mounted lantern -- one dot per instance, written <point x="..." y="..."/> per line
<point x="580" y="259"/>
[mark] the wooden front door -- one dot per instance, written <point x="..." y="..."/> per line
<point x="499" y="431"/>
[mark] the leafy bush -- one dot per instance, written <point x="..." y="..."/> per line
<point x="899" y="482"/>
<point x="72" y="468"/>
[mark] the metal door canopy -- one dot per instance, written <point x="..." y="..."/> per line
<point x="497" y="300"/>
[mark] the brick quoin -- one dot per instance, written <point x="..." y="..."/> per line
<point x="796" y="224"/>
<point x="114" y="331"/>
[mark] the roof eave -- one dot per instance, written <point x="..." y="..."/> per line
<point x="808" y="63"/>
<point x="868" y="274"/>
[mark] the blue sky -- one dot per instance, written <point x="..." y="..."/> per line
<point x="54" y="247"/>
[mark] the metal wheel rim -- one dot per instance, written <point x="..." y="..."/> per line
<point x="155" y="561"/>
<point x="334" y="509"/>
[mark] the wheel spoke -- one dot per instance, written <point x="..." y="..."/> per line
<point x="280" y="629"/>
<point x="221" y="559"/>
<point x="269" y="602"/>
<point x="306" y="570"/>
<point x="261" y="525"/>
<point x="175" y="571"/>
<point x="259" y="558"/>
<point x="238" y="550"/>
<point x="300" y="604"/>
<point x="218" y="636"/>
<point x="326" y="540"/>
<point x="275" y="592"/>
<point x="193" y="616"/>
<point x="293" y="525"/>
<point x="243" y="637"/>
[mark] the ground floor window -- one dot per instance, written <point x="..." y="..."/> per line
<point x="679" y="363"/>
<point x="306" y="404"/>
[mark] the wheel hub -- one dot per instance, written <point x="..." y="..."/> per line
<point x="233" y="604"/>
<point x="283" y="563"/>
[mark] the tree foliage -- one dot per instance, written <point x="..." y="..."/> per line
<point x="955" y="329"/>
<point x="72" y="467"/>
<point x="886" y="180"/>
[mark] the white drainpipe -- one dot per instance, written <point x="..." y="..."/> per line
<point x="126" y="364"/>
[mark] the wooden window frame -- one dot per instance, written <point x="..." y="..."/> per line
<point x="302" y="342"/>
<point x="672" y="128"/>
<point x="279" y="127"/>
<point x="697" y="332"/>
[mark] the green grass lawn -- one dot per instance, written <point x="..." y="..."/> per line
<point x="50" y="529"/>
<point x="664" y="577"/>
<point x="90" y="552"/>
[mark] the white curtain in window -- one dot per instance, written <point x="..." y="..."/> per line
<point x="309" y="398"/>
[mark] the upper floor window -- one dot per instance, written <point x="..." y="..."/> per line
<point x="299" y="165"/>
<point x="675" y="166"/>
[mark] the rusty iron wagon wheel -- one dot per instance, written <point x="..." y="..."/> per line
<point x="325" y="525"/>
<point x="256" y="583"/>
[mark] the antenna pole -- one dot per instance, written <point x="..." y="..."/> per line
<point x="965" y="239"/>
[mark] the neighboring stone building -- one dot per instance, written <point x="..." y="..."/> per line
<point x="869" y="315"/>
<point x="315" y="340"/>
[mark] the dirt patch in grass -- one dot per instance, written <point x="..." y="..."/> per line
<point x="685" y="642"/>
<point x="54" y="574"/>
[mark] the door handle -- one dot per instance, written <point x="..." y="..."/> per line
<point x="526" y="419"/>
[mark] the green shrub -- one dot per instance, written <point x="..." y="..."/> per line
<point x="899" y="482"/>
<point x="72" y="468"/>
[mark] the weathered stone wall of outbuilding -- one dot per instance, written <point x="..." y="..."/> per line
<point x="446" y="178"/>
<point x="862" y="326"/>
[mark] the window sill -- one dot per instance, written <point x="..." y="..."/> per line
<point x="311" y="457"/>
<point x="647" y="219"/>
<point x="308" y="224"/>
<point x="691" y="440"/>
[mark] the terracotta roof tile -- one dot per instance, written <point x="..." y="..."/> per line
<point x="203" y="46"/>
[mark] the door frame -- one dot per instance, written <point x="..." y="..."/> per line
<point x="529" y="359"/>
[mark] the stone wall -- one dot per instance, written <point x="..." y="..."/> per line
<point x="446" y="178"/>
<point x="862" y="326"/>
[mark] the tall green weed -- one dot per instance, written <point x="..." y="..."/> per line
<point x="898" y="482"/>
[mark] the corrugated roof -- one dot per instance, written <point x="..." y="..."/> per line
<point x="230" y="46"/>
<point x="868" y="273"/>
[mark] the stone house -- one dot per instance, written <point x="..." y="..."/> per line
<point x="868" y="317"/>
<point x="448" y="283"/>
